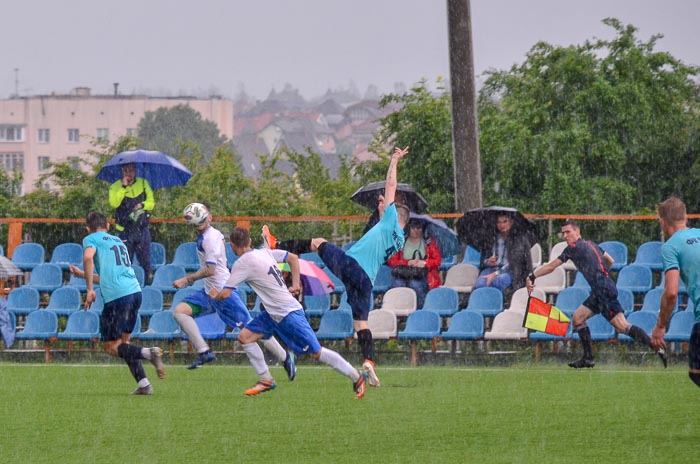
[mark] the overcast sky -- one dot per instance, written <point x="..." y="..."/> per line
<point x="195" y="47"/>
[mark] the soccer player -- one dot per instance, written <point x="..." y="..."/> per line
<point x="211" y="252"/>
<point x="283" y="313"/>
<point x="106" y="256"/>
<point x="593" y="263"/>
<point x="681" y="260"/>
<point x="357" y="268"/>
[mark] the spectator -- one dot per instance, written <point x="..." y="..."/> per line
<point x="133" y="200"/>
<point x="416" y="264"/>
<point x="509" y="261"/>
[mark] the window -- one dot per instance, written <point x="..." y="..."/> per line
<point x="13" y="161"/>
<point x="11" y="133"/>
<point x="44" y="136"/>
<point x="131" y="132"/>
<point x="73" y="135"/>
<point x="103" y="134"/>
<point x="43" y="163"/>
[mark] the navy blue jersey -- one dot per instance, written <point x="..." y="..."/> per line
<point x="588" y="258"/>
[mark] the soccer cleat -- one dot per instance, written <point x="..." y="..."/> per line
<point x="202" y="359"/>
<point x="157" y="361"/>
<point x="581" y="363"/>
<point x="373" y="380"/>
<point x="360" y="387"/>
<point x="290" y="366"/>
<point x="664" y="357"/>
<point x="261" y="387"/>
<point x="269" y="240"/>
<point x="147" y="390"/>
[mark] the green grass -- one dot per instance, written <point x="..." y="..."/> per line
<point x="77" y="414"/>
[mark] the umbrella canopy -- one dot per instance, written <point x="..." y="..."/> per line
<point x="478" y="226"/>
<point x="368" y="196"/>
<point x="159" y="169"/>
<point x="8" y="268"/>
<point x="315" y="281"/>
<point x="447" y="239"/>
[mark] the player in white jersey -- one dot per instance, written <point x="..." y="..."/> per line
<point x="283" y="313"/>
<point x="211" y="251"/>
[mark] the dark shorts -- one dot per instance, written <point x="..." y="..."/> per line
<point x="694" y="347"/>
<point x="604" y="302"/>
<point x="119" y="317"/>
<point x="357" y="283"/>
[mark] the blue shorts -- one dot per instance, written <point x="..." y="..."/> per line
<point x="294" y="330"/>
<point x="694" y="347"/>
<point x="119" y="317"/>
<point x="231" y="310"/>
<point x="357" y="283"/>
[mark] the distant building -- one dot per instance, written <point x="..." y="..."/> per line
<point x="37" y="130"/>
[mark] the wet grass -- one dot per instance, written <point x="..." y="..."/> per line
<point x="75" y="414"/>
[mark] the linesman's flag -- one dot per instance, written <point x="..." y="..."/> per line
<point x="544" y="317"/>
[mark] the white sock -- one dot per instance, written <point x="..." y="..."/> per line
<point x="190" y="327"/>
<point x="144" y="383"/>
<point x="257" y="360"/>
<point x="274" y="347"/>
<point x="339" y="363"/>
<point x="146" y="353"/>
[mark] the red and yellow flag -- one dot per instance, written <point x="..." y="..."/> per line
<point x="544" y="317"/>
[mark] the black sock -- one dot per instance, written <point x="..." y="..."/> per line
<point x="638" y="334"/>
<point x="364" y="336"/>
<point x="584" y="334"/>
<point x="297" y="246"/>
<point x="132" y="357"/>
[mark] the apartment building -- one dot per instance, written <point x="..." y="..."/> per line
<point x="37" y="130"/>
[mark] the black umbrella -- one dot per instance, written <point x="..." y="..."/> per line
<point x="368" y="196"/>
<point x="477" y="227"/>
<point x="446" y="238"/>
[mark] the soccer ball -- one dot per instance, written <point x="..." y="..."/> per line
<point x="195" y="214"/>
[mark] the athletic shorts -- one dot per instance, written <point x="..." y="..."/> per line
<point x="119" y="317"/>
<point x="694" y="347"/>
<point x="357" y="283"/>
<point x="231" y="310"/>
<point x="604" y="302"/>
<point x="294" y="330"/>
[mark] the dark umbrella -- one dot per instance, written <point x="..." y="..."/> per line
<point x="447" y="239"/>
<point x="478" y="226"/>
<point x="368" y="196"/>
<point x="159" y="169"/>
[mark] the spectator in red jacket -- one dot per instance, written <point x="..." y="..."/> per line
<point x="416" y="264"/>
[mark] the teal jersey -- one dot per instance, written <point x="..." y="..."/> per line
<point x="682" y="252"/>
<point x="379" y="243"/>
<point x="112" y="264"/>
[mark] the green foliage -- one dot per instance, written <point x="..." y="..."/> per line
<point x="422" y="122"/>
<point x="603" y="127"/>
<point x="170" y="129"/>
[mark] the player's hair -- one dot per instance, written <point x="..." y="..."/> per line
<point x="240" y="237"/>
<point x="96" y="220"/>
<point x="571" y="222"/>
<point x="672" y="210"/>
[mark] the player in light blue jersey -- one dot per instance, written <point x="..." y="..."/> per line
<point x="106" y="261"/>
<point x="357" y="268"/>
<point x="681" y="260"/>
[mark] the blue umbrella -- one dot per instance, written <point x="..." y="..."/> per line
<point x="159" y="169"/>
<point x="446" y="238"/>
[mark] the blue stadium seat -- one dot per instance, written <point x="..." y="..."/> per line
<point x="23" y="300"/>
<point x="465" y="325"/>
<point x="231" y="257"/>
<point x="652" y="301"/>
<point x="487" y="301"/>
<point x="27" y="256"/>
<point x="140" y="274"/>
<point x="382" y="281"/>
<point x="569" y="299"/>
<point x="442" y="300"/>
<point x="601" y="330"/>
<point x="316" y="305"/>
<point x="635" y="277"/>
<point x="161" y="326"/>
<point x="447" y="262"/>
<point x="617" y="251"/>
<point x="210" y="326"/>
<point x="40" y="325"/>
<point x="421" y="325"/>
<point x="158" y="257"/>
<point x="66" y="254"/>
<point x="680" y="326"/>
<point x="472" y="256"/>
<point x="626" y="299"/>
<point x="335" y="325"/>
<point x="81" y="325"/>
<point x="164" y="277"/>
<point x="99" y="304"/>
<point x="581" y="282"/>
<point x="46" y="277"/>
<point x="186" y="256"/>
<point x="649" y="255"/>
<point x="645" y="320"/>
<point x="65" y="300"/>
<point x="181" y="294"/>
<point x="151" y="301"/>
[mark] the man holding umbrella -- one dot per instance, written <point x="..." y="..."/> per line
<point x="132" y="198"/>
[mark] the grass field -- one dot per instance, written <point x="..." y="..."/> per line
<point x="79" y="414"/>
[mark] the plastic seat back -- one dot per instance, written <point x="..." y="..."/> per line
<point x="443" y="300"/>
<point x="66" y="254"/>
<point x="186" y="256"/>
<point x="421" y="325"/>
<point x="23" y="300"/>
<point x="465" y="325"/>
<point x="335" y="325"/>
<point x="46" y="277"/>
<point x="27" y="256"/>
<point x="487" y="301"/>
<point x="65" y="300"/>
<point x="618" y="252"/>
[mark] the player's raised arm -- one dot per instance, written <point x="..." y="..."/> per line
<point x="391" y="175"/>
